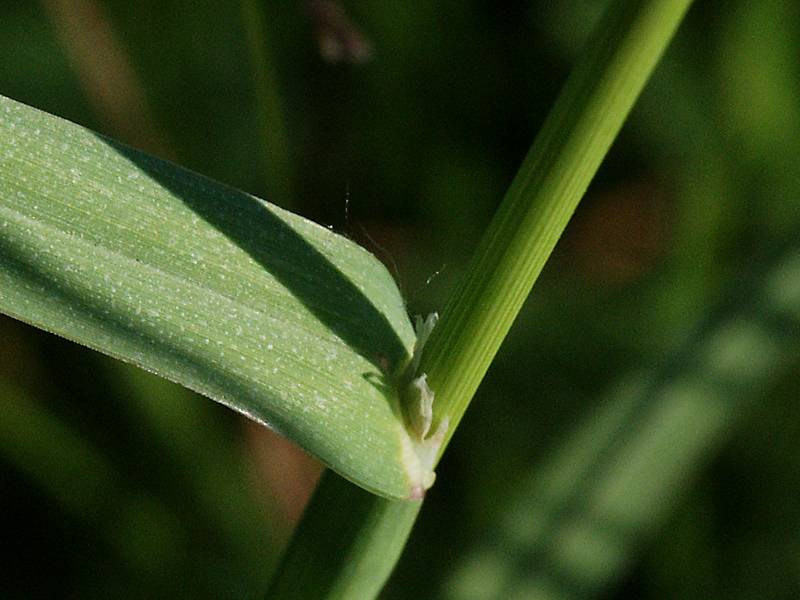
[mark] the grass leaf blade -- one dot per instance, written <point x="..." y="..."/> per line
<point x="260" y="309"/>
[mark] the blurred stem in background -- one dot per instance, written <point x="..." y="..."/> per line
<point x="208" y="466"/>
<point x="688" y="546"/>
<point x="275" y="151"/>
<point x="573" y="525"/>
<point x="702" y="192"/>
<point x="157" y="535"/>
<point x="107" y="76"/>
<point x="586" y="118"/>
<point x="143" y="533"/>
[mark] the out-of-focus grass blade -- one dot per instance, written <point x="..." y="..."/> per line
<point x="255" y="307"/>
<point x="85" y="484"/>
<point x="149" y="539"/>
<point x="207" y="468"/>
<point x="571" y="528"/>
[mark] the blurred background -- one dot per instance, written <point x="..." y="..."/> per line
<point x="400" y="125"/>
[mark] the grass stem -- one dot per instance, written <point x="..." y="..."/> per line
<point x="270" y="112"/>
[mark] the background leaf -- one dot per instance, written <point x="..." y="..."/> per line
<point x="573" y="523"/>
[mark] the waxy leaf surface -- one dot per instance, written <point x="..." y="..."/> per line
<point x="246" y="303"/>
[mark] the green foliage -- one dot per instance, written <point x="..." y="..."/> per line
<point x="113" y="480"/>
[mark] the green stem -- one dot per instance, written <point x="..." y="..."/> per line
<point x="554" y="176"/>
<point x="567" y="152"/>
<point x="346" y="545"/>
<point x="271" y="121"/>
